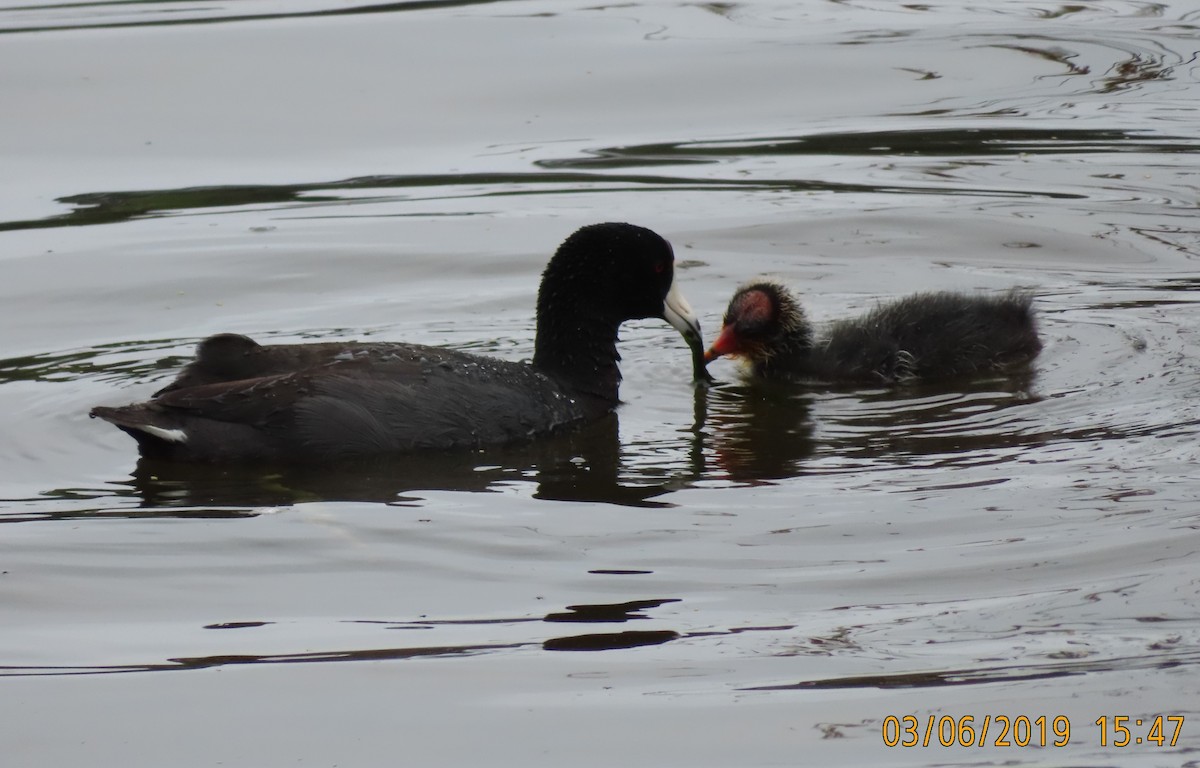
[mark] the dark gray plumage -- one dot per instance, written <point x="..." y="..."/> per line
<point x="924" y="337"/>
<point x="239" y="400"/>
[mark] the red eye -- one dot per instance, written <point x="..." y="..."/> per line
<point x="660" y="267"/>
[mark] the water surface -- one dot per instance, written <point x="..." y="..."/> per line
<point x="741" y="575"/>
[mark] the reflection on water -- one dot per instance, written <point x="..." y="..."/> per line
<point x="759" y="431"/>
<point x="120" y="361"/>
<point x="577" y="174"/>
<point x="602" y="614"/>
<point x="986" y="675"/>
<point x="971" y="423"/>
<point x="182" y="664"/>
<point x="581" y="465"/>
<point x="590" y="614"/>
<point x="111" y="14"/>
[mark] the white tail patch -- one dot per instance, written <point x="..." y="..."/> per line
<point x="170" y="435"/>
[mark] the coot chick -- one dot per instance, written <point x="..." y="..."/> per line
<point x="924" y="337"/>
<point x="239" y="400"/>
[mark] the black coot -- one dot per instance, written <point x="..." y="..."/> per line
<point x="924" y="337"/>
<point x="240" y="400"/>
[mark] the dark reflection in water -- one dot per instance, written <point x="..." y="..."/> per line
<point x="945" y="142"/>
<point x="618" y="613"/>
<point x="225" y="660"/>
<point x="964" y="424"/>
<point x="239" y="625"/>
<point x="609" y="641"/>
<point x="88" y="362"/>
<point x="1183" y="284"/>
<point x="582" y="174"/>
<point x="1161" y="658"/>
<point x="1137" y="68"/>
<point x="582" y="465"/>
<point x="598" y="642"/>
<point x="608" y="612"/>
<point x="760" y="431"/>
<point x="111" y="207"/>
<point x="175" y="20"/>
<point x="765" y="431"/>
<point x="997" y="674"/>
<point x="1054" y="54"/>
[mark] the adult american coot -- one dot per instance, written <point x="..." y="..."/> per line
<point x="927" y="336"/>
<point x="240" y="400"/>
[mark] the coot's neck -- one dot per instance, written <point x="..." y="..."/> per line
<point x="578" y="346"/>
<point x="791" y="350"/>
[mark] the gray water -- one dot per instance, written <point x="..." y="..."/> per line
<point x="733" y="576"/>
